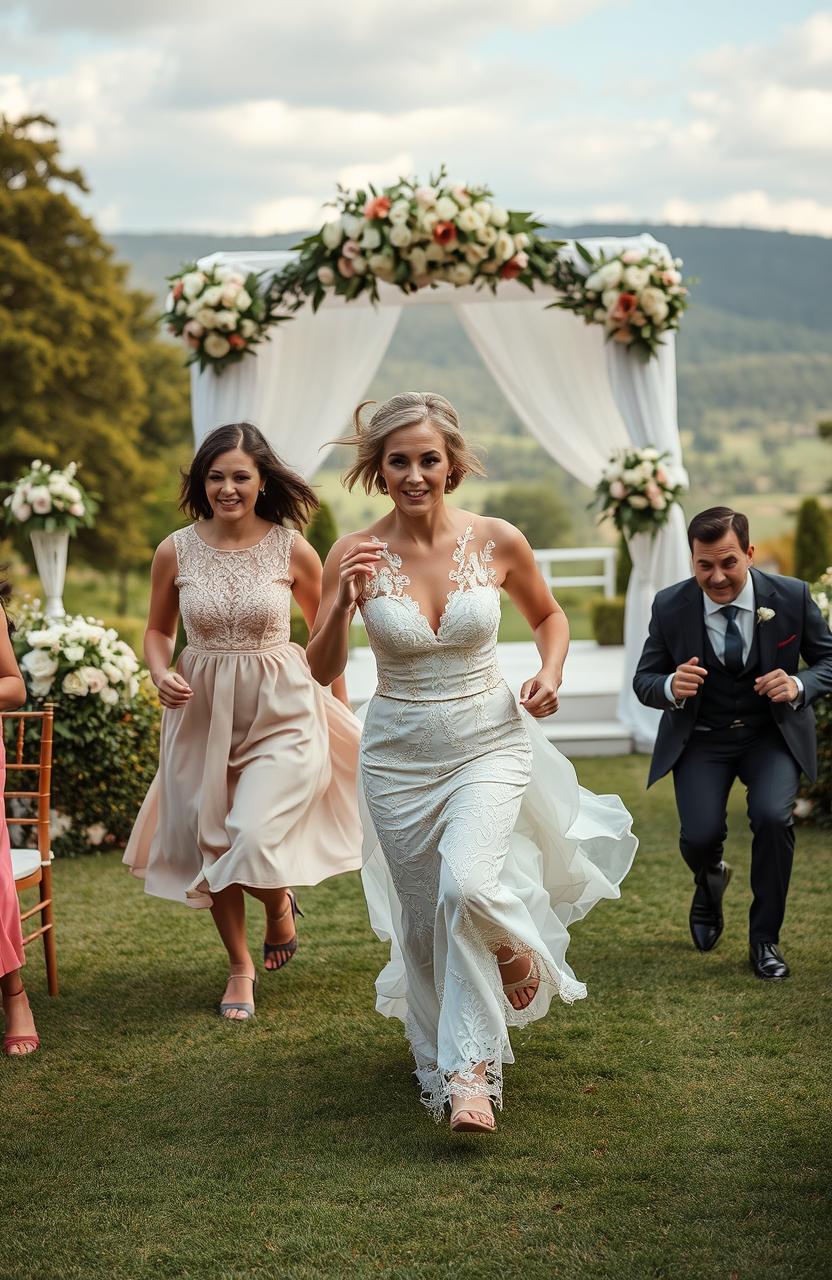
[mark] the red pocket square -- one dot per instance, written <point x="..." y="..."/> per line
<point x="781" y="644"/>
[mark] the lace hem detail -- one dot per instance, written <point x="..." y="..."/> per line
<point x="438" y="1088"/>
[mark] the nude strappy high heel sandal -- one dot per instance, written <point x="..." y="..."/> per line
<point x="10" y="1042"/>
<point x="530" y="981"/>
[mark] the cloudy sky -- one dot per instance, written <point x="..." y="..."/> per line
<point x="200" y="115"/>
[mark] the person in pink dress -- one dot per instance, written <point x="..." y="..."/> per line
<point x="20" y="1037"/>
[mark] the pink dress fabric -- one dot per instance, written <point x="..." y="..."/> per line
<point x="257" y="772"/>
<point x="11" y="936"/>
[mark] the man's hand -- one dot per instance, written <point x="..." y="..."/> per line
<point x="687" y="679"/>
<point x="777" y="686"/>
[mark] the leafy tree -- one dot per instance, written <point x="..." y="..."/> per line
<point x="812" y="552"/>
<point x="536" y="510"/>
<point x="322" y="530"/>
<point x="72" y="357"/>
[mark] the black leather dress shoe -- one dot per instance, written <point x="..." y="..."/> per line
<point x="767" y="961"/>
<point x="705" y="919"/>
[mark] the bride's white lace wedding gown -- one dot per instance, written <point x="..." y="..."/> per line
<point x="477" y="834"/>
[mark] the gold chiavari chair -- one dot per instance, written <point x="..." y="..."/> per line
<point x="33" y="867"/>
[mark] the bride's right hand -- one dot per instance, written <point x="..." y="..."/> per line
<point x="174" y="692"/>
<point x="356" y="566"/>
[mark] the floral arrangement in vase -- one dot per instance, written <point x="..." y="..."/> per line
<point x="49" y="499"/>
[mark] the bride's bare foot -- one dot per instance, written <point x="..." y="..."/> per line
<point x="21" y="1036"/>
<point x="472" y="1115"/>
<point x="239" y="991"/>
<point x="518" y="978"/>
<point x="281" y="941"/>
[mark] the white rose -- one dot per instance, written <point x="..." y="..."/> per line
<point x="207" y="317"/>
<point x="418" y="261"/>
<point x="170" y="302"/>
<point x="610" y="274"/>
<point x="475" y="254"/>
<point x="193" y="308"/>
<point x="460" y="273"/>
<point x="112" y="672"/>
<point x="617" y="490"/>
<point x="216" y="346"/>
<point x="638" y="501"/>
<point x="504" y="247"/>
<point x="75" y="684"/>
<point x="499" y="217"/>
<point x="631" y="476"/>
<point x="192" y="283"/>
<point x="243" y="300"/>
<point x="400" y="235"/>
<point x="427" y="220"/>
<point x="40" y="639"/>
<point x="522" y="240"/>
<point x="483" y="208"/>
<point x="133" y="686"/>
<point x="381" y="264"/>
<point x="446" y="209"/>
<point x="326" y="277"/>
<point x="40" y="499"/>
<point x="228" y="295"/>
<point x="636" y="278"/>
<point x="360" y="265"/>
<point x="487" y="236"/>
<point x="74" y="653"/>
<point x="39" y="688"/>
<point x="94" y="678"/>
<point x="371" y="239"/>
<point x="650" y="454"/>
<point x="425" y="196"/>
<point x="435" y="252"/>
<point x="22" y="511"/>
<point x="609" y="298"/>
<point x="96" y="833"/>
<point x="212" y="297"/>
<point x="181" y="307"/>
<point x="226" y="320"/>
<point x="39" y="664"/>
<point x="353" y="226"/>
<point x="469" y="220"/>
<point x="658" y="502"/>
<point x="594" y="282"/>
<point x="399" y="212"/>
<point x="460" y="194"/>
<point x="108" y="695"/>
<point x="332" y="233"/>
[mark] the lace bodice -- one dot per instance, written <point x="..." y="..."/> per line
<point x="416" y="663"/>
<point x="235" y="600"/>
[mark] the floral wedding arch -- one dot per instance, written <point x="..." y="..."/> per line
<point x="582" y="391"/>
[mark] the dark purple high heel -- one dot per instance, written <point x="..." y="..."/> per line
<point x="282" y="952"/>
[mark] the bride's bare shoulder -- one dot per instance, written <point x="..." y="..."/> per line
<point x="504" y="535"/>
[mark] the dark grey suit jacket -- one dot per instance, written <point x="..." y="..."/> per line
<point x="677" y="632"/>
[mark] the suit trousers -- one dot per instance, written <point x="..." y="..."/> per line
<point x="703" y="777"/>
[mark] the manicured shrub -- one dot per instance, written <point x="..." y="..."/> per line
<point x="608" y="620"/>
<point x="812" y="551"/>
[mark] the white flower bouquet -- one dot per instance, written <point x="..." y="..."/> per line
<point x="636" y="295"/>
<point x="822" y="594"/>
<point x="76" y="657"/>
<point x="48" y="499"/>
<point x="415" y="235"/>
<point x="219" y="313"/>
<point x="637" y="489"/>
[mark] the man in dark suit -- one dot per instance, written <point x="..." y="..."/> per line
<point x="721" y="662"/>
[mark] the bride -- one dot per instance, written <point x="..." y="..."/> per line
<point x="480" y="847"/>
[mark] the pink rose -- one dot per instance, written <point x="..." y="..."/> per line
<point x="671" y="277"/>
<point x="661" y="475"/>
<point x="638" y="318"/>
<point x="237" y="341"/>
<point x="76" y="509"/>
<point x="177" y="290"/>
<point x="345" y="268"/>
<point x="623" y="310"/>
<point x="631" y="256"/>
<point x="652" y="490"/>
<point x="444" y="233"/>
<point x="511" y="269"/>
<point x="623" y="336"/>
<point x="378" y="207"/>
<point x="351" y="249"/>
<point x="617" y="490"/>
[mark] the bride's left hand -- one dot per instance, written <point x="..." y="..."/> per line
<point x="539" y="696"/>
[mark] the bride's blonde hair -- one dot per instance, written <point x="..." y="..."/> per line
<point x="408" y="409"/>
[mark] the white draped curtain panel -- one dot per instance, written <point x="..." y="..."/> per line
<point x="580" y="397"/>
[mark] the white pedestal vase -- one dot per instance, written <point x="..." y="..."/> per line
<point x="50" y="556"/>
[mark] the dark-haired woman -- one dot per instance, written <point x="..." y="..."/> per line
<point x="256" y="784"/>
<point x="20" y="1037"/>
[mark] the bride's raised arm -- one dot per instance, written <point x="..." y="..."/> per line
<point x="345" y="571"/>
<point x="527" y="589"/>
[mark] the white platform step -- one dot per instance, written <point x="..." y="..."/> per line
<point x="591" y="738"/>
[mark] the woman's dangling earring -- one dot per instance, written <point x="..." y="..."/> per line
<point x="263" y="490"/>
<point x="381" y="485"/>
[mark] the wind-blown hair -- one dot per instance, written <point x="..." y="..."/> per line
<point x="409" y="409"/>
<point x="287" y="498"/>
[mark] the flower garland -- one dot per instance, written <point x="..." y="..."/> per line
<point x="75" y="656"/>
<point x="415" y="235"/>
<point x="220" y="314"/>
<point x="637" y="295"/>
<point x="48" y="498"/>
<point x="637" y="489"/>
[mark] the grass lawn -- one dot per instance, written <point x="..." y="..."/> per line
<point x="673" y="1125"/>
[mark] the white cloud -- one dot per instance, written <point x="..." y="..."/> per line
<point x="753" y="209"/>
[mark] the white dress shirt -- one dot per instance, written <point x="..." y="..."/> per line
<point x="716" y="625"/>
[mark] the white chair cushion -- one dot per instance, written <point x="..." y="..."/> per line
<point x="24" y="862"/>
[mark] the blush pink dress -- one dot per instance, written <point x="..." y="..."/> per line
<point x="11" y="936"/>
<point x="257" y="772"/>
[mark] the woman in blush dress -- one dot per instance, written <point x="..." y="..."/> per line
<point x="20" y="1037"/>
<point x="480" y="847"/>
<point x="257" y="765"/>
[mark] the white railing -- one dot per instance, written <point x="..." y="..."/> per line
<point x="568" y="555"/>
<point x="605" y="556"/>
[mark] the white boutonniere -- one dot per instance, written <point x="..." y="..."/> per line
<point x="765" y="615"/>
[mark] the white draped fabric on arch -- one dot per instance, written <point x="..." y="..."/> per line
<point x="580" y="397"/>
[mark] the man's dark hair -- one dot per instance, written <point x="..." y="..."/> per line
<point x="715" y="523"/>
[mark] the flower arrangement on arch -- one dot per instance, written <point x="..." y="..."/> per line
<point x="49" y="499"/>
<point x="415" y="235"/>
<point x="637" y="295"/>
<point x="637" y="489"/>
<point x="220" y="313"/>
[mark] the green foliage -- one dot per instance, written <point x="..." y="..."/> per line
<point x="623" y="567"/>
<point x="608" y="620"/>
<point x="825" y="429"/>
<point x="322" y="530"/>
<point x="819" y="793"/>
<point x="73" y="343"/>
<point x="536" y="510"/>
<point x="812" y="551"/>
<point x="298" y="630"/>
